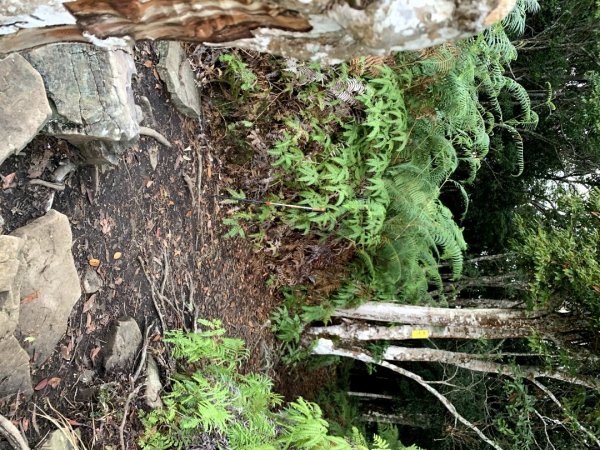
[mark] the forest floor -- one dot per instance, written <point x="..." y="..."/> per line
<point x="166" y="223"/>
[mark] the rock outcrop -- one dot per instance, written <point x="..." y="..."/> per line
<point x="24" y="108"/>
<point x="175" y="70"/>
<point x="90" y="92"/>
<point x="14" y="361"/>
<point x="50" y="284"/>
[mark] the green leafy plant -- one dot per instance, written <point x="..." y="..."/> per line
<point x="211" y="399"/>
<point x="240" y="79"/>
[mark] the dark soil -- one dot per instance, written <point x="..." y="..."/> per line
<point x="152" y="219"/>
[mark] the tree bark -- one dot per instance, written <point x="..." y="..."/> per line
<point x="471" y="362"/>
<point x="445" y="317"/>
<point x="413" y="420"/>
<point x="355" y="331"/>
<point x="325" y="30"/>
<point x="501" y="303"/>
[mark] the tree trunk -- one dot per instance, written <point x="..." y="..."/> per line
<point x="326" y="30"/>
<point x="370" y="395"/>
<point x="409" y="419"/>
<point x="472" y="362"/>
<point x="355" y="331"/>
<point x="488" y="318"/>
<point x="501" y="303"/>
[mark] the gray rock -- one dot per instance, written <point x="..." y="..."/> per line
<point x="153" y="385"/>
<point x="175" y="70"/>
<point x="14" y="361"/>
<point x="62" y="439"/>
<point x="90" y="89"/>
<point x="87" y="376"/>
<point x="14" y="369"/>
<point x="24" y="108"/>
<point x="91" y="281"/>
<point x="123" y="344"/>
<point x="50" y="278"/>
<point x="10" y="284"/>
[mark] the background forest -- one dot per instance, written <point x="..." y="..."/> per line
<point x="442" y="210"/>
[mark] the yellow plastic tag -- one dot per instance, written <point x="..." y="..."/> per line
<point x="419" y="334"/>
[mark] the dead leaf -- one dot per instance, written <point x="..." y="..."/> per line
<point x="89" y="303"/>
<point x="94" y="354"/>
<point x="106" y="223"/>
<point x="156" y="338"/>
<point x="148" y="63"/>
<point x="65" y="351"/>
<point x="117" y="255"/>
<point x="74" y="423"/>
<point x="7" y="180"/>
<point x="41" y="385"/>
<point x="94" y="262"/>
<point x="118" y="281"/>
<point x="54" y="382"/>
<point x="90" y="326"/>
<point x="25" y="424"/>
<point x="31" y="297"/>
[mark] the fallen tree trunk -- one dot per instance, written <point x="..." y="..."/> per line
<point x="425" y="315"/>
<point x="325" y="30"/>
<point x="357" y="331"/>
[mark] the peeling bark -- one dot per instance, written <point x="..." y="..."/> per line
<point x="324" y="30"/>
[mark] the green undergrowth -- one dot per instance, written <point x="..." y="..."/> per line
<point x="211" y="403"/>
<point x="376" y="147"/>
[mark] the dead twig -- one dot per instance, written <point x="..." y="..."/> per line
<point x="48" y="184"/>
<point x="191" y="304"/>
<point x="153" y="294"/>
<point x="130" y="397"/>
<point x="197" y="205"/>
<point x="145" y="131"/>
<point x="166" y="272"/>
<point x="143" y="355"/>
<point x="136" y="390"/>
<point x="12" y="434"/>
<point x="63" y="424"/>
<point x="190" y="186"/>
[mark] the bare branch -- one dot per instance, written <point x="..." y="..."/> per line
<point x="12" y="434"/>
<point x="327" y="347"/>
<point x="552" y="397"/>
<point x="472" y="362"/>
